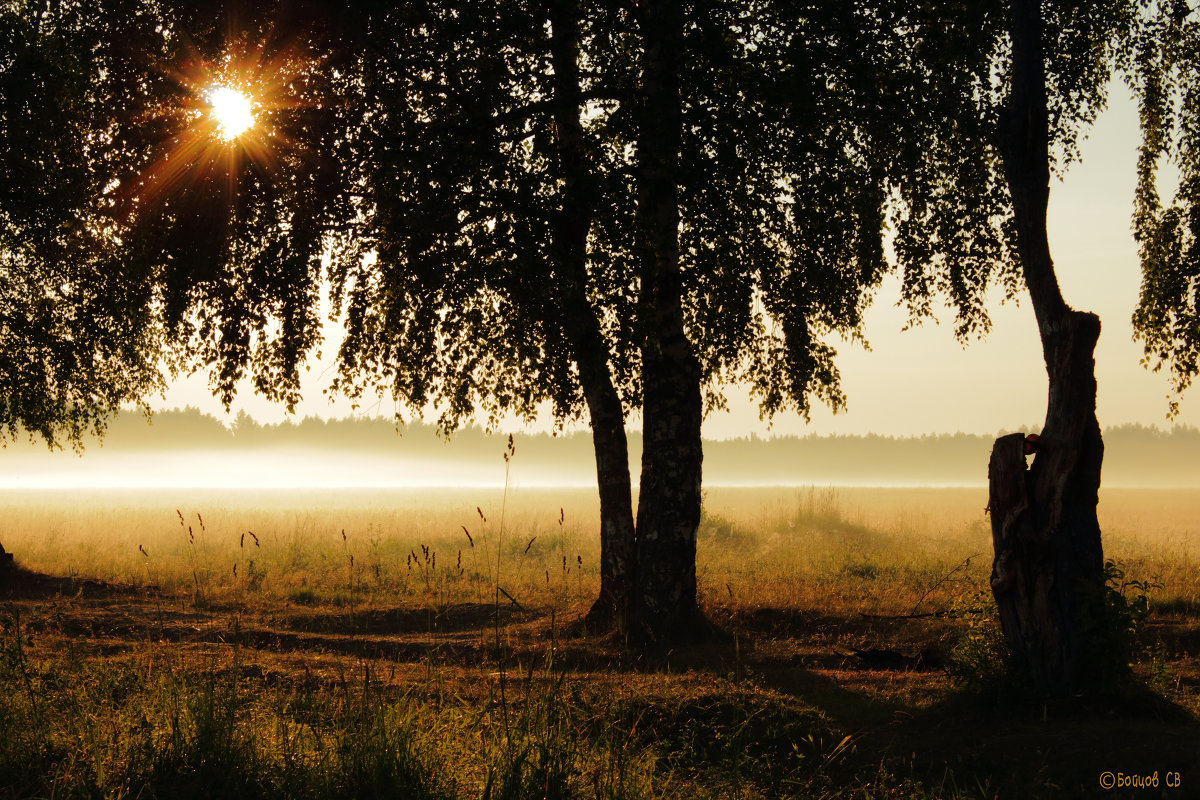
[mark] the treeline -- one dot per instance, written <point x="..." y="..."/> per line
<point x="1135" y="455"/>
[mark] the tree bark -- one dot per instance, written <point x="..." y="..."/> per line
<point x="668" y="516"/>
<point x="582" y="327"/>
<point x="1048" y="569"/>
<point x="7" y="566"/>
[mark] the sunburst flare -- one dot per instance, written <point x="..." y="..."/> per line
<point x="232" y="110"/>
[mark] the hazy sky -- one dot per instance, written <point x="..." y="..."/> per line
<point x="922" y="380"/>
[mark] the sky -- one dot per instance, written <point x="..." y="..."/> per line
<point x="922" y="380"/>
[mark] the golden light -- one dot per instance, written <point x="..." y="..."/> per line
<point x="232" y="111"/>
<point x="231" y="120"/>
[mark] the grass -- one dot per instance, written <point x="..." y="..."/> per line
<point x="354" y="645"/>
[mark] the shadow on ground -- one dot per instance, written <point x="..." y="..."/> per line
<point x="778" y="685"/>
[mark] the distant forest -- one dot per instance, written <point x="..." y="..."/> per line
<point x="1135" y="455"/>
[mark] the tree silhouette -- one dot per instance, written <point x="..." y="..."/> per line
<point x="1165" y="70"/>
<point x="611" y="208"/>
<point x="77" y="330"/>
<point x="1048" y="574"/>
<point x="621" y="208"/>
<point x="1054" y="61"/>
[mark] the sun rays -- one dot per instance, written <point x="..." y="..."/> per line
<point x="231" y="114"/>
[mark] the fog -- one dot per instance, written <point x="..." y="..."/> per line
<point x="187" y="449"/>
<point x="260" y="469"/>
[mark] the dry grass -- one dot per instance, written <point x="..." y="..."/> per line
<point x="377" y="663"/>
<point x="808" y="548"/>
<point x="390" y="546"/>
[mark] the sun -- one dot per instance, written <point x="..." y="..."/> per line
<point x="232" y="110"/>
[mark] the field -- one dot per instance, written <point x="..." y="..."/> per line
<point x="422" y="644"/>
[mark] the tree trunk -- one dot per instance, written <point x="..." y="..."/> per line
<point x="616" y="511"/>
<point x="1048" y="570"/>
<point x="582" y="327"/>
<point x="7" y="567"/>
<point x="668" y="515"/>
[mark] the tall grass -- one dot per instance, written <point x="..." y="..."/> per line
<point x="155" y="724"/>
<point x="773" y="547"/>
<point x="137" y="714"/>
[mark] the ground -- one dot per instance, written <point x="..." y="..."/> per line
<point x="861" y="667"/>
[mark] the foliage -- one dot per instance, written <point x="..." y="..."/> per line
<point x="1115" y="642"/>
<point x="787" y="146"/>
<point x="131" y="237"/>
<point x="77" y="330"/>
<point x="1162" y="677"/>
<point x="238" y="229"/>
<point x="418" y="146"/>
<point x="955" y="227"/>
<point x="1164" y="71"/>
<point x="980" y="658"/>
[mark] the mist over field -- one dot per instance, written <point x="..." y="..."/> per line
<point x="186" y="448"/>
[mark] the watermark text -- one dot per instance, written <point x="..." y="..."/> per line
<point x="1140" y="780"/>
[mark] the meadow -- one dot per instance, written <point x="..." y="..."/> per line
<point x="424" y="643"/>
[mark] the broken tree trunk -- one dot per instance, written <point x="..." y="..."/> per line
<point x="1048" y="568"/>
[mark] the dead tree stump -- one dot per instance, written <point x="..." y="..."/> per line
<point x="1041" y="579"/>
<point x="7" y="567"/>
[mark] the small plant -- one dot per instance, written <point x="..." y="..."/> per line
<point x="862" y="569"/>
<point x="980" y="659"/>
<point x="1162" y="679"/>
<point x="349" y="562"/>
<point x="13" y="643"/>
<point x="254" y="576"/>
<point x="305" y="596"/>
<point x="1116" y="634"/>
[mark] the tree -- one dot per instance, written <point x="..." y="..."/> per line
<point x="1048" y="573"/>
<point x="77" y="330"/>
<point x="606" y="414"/>
<point x="479" y="186"/>
<point x="621" y="209"/>
<point x="613" y="208"/>
<point x="672" y="407"/>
